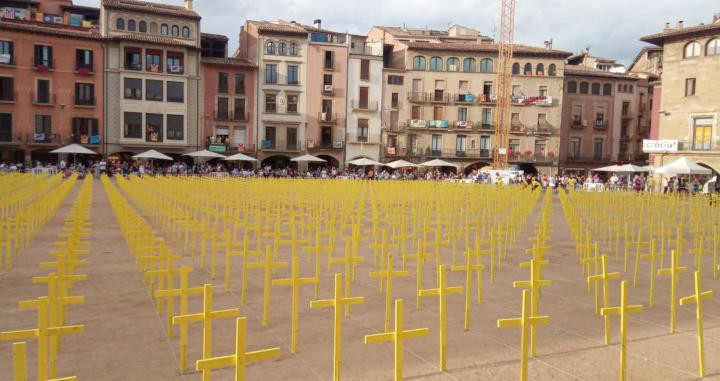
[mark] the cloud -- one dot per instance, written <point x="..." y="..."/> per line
<point x="610" y="27"/>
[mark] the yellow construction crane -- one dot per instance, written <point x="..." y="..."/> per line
<point x="504" y="83"/>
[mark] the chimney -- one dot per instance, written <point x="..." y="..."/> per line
<point x="680" y="24"/>
<point x="667" y="27"/>
<point x="318" y="23"/>
<point x="188" y="4"/>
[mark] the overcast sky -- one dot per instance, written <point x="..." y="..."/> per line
<point x="610" y="28"/>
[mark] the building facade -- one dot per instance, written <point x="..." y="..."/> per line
<point x="364" y="101"/>
<point x="50" y="79"/>
<point x="152" y="77"/>
<point x="689" y="107"/>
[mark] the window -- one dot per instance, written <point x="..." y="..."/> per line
<point x="43" y="124"/>
<point x="175" y="31"/>
<point x="43" y="56"/>
<point x="362" y="130"/>
<point x="487" y="90"/>
<point x="153" y="27"/>
<point x="153" y="90"/>
<point x="223" y="109"/>
<point x="239" y="137"/>
<point x="543" y="91"/>
<point x="84" y="59"/>
<point x="365" y="70"/>
<point x="540" y="147"/>
<point x="270" y="103"/>
<point x="43" y="91"/>
<point x="239" y="109"/>
<point x="583" y="87"/>
<point x="631" y="89"/>
<point x="153" y="61"/>
<point x="154" y="128"/>
<point x="164" y="29"/>
<point x="239" y="83"/>
<point x="270" y="47"/>
<point x="419" y="63"/>
<point x="133" y="125"/>
<point x="6" y="53"/>
<point x="438" y="113"/>
<point x="270" y="73"/>
<point x="83" y="128"/>
<point x="85" y="94"/>
<point x="120" y="24"/>
<point x="5" y="127"/>
<point x="7" y="89"/>
<point x="607" y="89"/>
<point x="619" y="88"/>
<point x="469" y="65"/>
<point x="436" y="142"/>
<point x="598" y="148"/>
<point x="416" y="112"/>
<point x="292" y="138"/>
<point x="282" y="48"/>
<point x="175" y="127"/>
<point x="133" y="88"/>
<point x="713" y="47"/>
<point x="329" y="62"/>
<point x="292" y="104"/>
<point x="395" y="80"/>
<point x="577" y="111"/>
<point x="269" y="137"/>
<point x="552" y="71"/>
<point x="486" y="116"/>
<point x="292" y="75"/>
<point x="453" y="64"/>
<point x="462" y="114"/>
<point x="528" y="69"/>
<point x="175" y="62"/>
<point x="692" y="49"/>
<point x="600" y="116"/>
<point x="395" y="100"/>
<point x="595" y="89"/>
<point x="436" y="64"/>
<point x="574" y="147"/>
<point x="185" y="34"/>
<point x="540" y="69"/>
<point x="572" y="87"/>
<point x="516" y="69"/>
<point x="327" y="80"/>
<point x="142" y="27"/>
<point x="131" y="25"/>
<point x="293" y="49"/>
<point x="222" y="82"/>
<point x="460" y="143"/>
<point x="689" y="87"/>
<point x="175" y="92"/>
<point x="486" y="65"/>
<point x="133" y="59"/>
<point x="702" y="134"/>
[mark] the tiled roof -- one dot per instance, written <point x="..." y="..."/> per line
<point x="522" y="50"/>
<point x="162" y="40"/>
<point x="279" y="27"/>
<point x="397" y="31"/>
<point x="50" y="29"/>
<point x="229" y="61"/>
<point x="578" y="70"/>
<point x="659" y="38"/>
<point x="147" y="7"/>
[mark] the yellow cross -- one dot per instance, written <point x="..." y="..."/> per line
<point x="442" y="292"/>
<point x="337" y="302"/>
<point x="398" y="336"/>
<point x="604" y="277"/>
<point x="674" y="271"/>
<point x="469" y="267"/>
<point x="525" y="321"/>
<point x="652" y="256"/>
<point x="245" y="252"/>
<point x="534" y="284"/>
<point x="623" y="310"/>
<point x="240" y="358"/>
<point x="295" y="281"/>
<point x="698" y="298"/>
<point x="269" y="265"/>
<point x="349" y="260"/>
<point x="388" y="274"/>
<point x="206" y="317"/>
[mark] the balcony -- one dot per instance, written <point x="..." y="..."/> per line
<point x="394" y="127"/>
<point x="84" y="69"/>
<point x="489" y="99"/>
<point x="175" y="69"/>
<point x="485" y="126"/>
<point x="224" y="145"/>
<point x="577" y="124"/>
<point x="417" y="97"/>
<point x="364" y="105"/>
<point x="396" y="151"/>
<point x="462" y="124"/>
<point x="43" y="139"/>
<point x="153" y="68"/>
<point x="325" y="144"/>
<point x="7" y="138"/>
<point x="43" y="65"/>
<point x="136" y="66"/>
<point x="628" y="115"/>
<point x="8" y="97"/>
<point x="328" y="90"/>
<point x="543" y="128"/>
<point x="466" y="99"/>
<point x="470" y="153"/>
<point x="600" y="124"/>
<point x="84" y="139"/>
<point x="84" y="102"/>
<point x="588" y="159"/>
<point x="439" y="97"/>
<point x="281" y="145"/>
<point x="532" y="157"/>
<point x="540" y="100"/>
<point x="371" y="138"/>
<point x="223" y="115"/>
<point x="42" y="99"/>
<point x="327" y="117"/>
<point x="518" y="128"/>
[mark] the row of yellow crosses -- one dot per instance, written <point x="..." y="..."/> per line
<point x="256" y="219"/>
<point x="27" y="203"/>
<point x="648" y="226"/>
<point x="52" y="308"/>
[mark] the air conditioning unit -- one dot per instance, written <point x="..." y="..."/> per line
<point x="328" y="88"/>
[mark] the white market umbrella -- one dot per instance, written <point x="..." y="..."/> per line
<point x="611" y="168"/>
<point x="240" y="157"/>
<point x="683" y="166"/>
<point x="75" y="149"/>
<point x="438" y="163"/>
<point x="401" y="164"/>
<point x="153" y="155"/>
<point x="648" y="168"/>
<point x="308" y="158"/>
<point x="205" y="154"/>
<point x="630" y="168"/>
<point x="364" y="161"/>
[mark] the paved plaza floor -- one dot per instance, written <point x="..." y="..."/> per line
<point x="125" y="338"/>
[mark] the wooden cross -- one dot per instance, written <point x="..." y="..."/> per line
<point x="605" y="278"/>
<point x="349" y="260"/>
<point x="469" y="267"/>
<point x="674" y="271"/>
<point x="623" y="310"/>
<point x="240" y="358"/>
<point x="388" y="274"/>
<point x="295" y="281"/>
<point x="534" y="284"/>
<point x="43" y="332"/>
<point x="270" y="266"/>
<point x="698" y="298"/>
<point x="442" y="292"/>
<point x="337" y="302"/>
<point x="206" y="317"/>
<point x="525" y="321"/>
<point x="398" y="336"/>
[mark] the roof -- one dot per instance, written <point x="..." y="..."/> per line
<point x="642" y="52"/>
<point x="278" y="27"/>
<point x="659" y="38"/>
<point x="577" y="70"/>
<point x="229" y="61"/>
<point x="148" y="7"/>
<point x="50" y="29"/>
<point x="212" y="36"/>
<point x="586" y="54"/>
<point x="80" y="8"/>
<point x="428" y="33"/>
<point x="162" y="40"/>
<point x="523" y="50"/>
